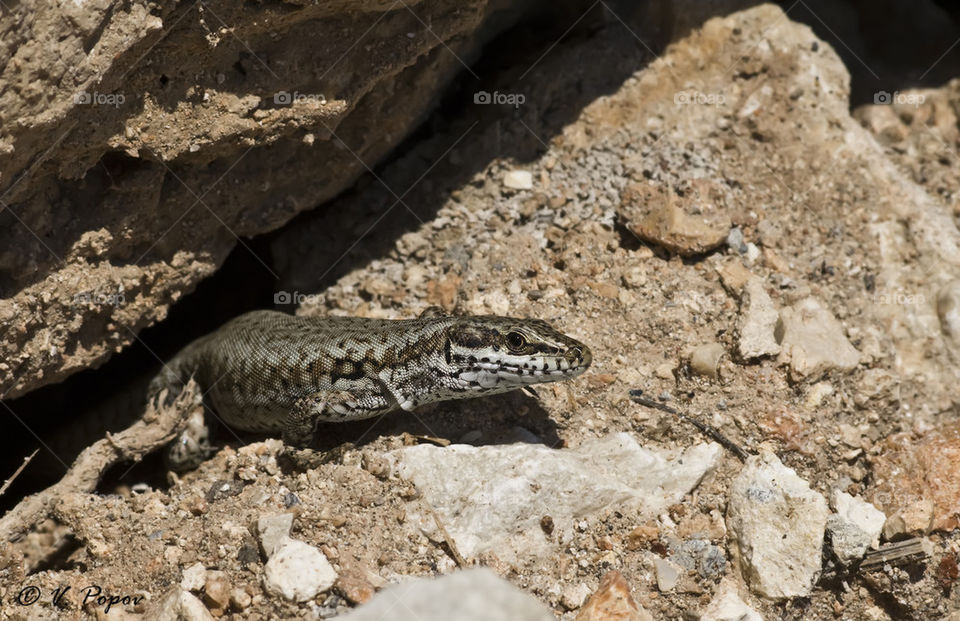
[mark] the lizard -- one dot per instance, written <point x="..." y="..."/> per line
<point x="267" y="371"/>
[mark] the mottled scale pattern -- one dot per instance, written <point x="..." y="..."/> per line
<point x="268" y="371"/>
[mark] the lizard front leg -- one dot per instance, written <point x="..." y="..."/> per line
<point x="332" y="406"/>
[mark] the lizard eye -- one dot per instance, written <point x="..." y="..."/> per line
<point x="515" y="341"/>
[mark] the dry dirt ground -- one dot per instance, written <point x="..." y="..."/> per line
<point x="856" y="210"/>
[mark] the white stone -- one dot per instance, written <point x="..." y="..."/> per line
<point x="194" y="577"/>
<point x="777" y="524"/>
<point x="493" y="497"/>
<point x="179" y="605"/>
<point x="297" y="572"/>
<point x="727" y="605"/>
<point x="274" y="531"/>
<point x="812" y="341"/>
<point x="758" y="322"/>
<point x="518" y="180"/>
<point x="668" y="574"/>
<point x="470" y="595"/>
<point x="854" y="527"/>
<point x="574" y="595"/>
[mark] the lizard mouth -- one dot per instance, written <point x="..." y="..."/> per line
<point x="489" y="374"/>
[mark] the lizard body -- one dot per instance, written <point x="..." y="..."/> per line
<point x="267" y="371"/>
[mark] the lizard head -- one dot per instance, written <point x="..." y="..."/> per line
<point x="502" y="353"/>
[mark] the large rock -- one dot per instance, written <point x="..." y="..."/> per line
<point x="500" y="494"/>
<point x="471" y="595"/>
<point x="776" y="523"/>
<point x="139" y="144"/>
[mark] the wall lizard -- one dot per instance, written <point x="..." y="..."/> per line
<point x="267" y="371"/>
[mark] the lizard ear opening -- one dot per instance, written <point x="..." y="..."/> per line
<point x="433" y="312"/>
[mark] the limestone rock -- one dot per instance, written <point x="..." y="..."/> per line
<point x="758" y="322"/>
<point x="855" y="527"/>
<point x="812" y="341"/>
<point x="500" y="493"/>
<point x="470" y="595"/>
<point x="298" y="571"/>
<point x="727" y="605"/>
<point x="777" y="524"/>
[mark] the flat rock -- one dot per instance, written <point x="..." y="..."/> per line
<point x="500" y="493"/>
<point x="690" y="223"/>
<point x="758" y="322"/>
<point x="470" y="595"/>
<point x="777" y="523"/>
<point x="812" y="341"/>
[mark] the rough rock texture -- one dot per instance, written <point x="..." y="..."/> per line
<point x="776" y="523"/>
<point x="612" y="601"/>
<point x="691" y="223"/>
<point x="501" y="493"/>
<point x="139" y="144"/>
<point x="758" y="322"/>
<point x="298" y="571"/>
<point x="916" y="479"/>
<point x="727" y="605"/>
<point x="854" y="527"/>
<point x="472" y="595"/>
<point x="812" y="341"/>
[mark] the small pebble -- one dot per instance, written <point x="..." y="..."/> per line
<point x="518" y="180"/>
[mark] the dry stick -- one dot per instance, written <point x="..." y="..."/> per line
<point x="447" y="539"/>
<point x="712" y="432"/>
<point x="26" y="460"/>
<point x="896" y="553"/>
<point x="159" y="425"/>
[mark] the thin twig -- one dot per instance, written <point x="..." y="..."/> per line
<point x="714" y="433"/>
<point x="26" y="461"/>
<point x="447" y="539"/>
